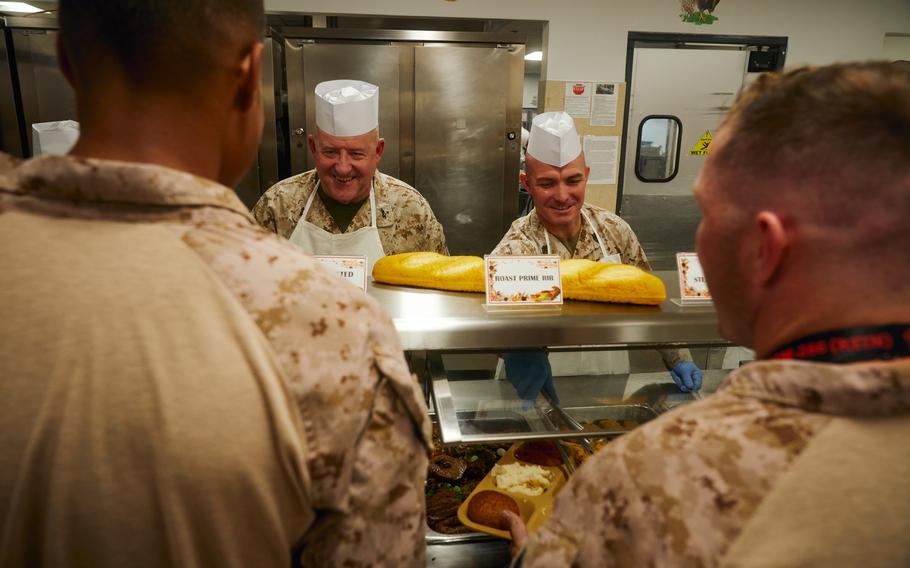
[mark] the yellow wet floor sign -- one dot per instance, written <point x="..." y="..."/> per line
<point x="702" y="146"/>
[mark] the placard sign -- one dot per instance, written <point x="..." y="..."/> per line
<point x="692" y="284"/>
<point x="351" y="268"/>
<point x="523" y="280"/>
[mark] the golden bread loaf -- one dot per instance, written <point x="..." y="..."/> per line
<point x="581" y="279"/>
<point x="620" y="283"/>
<point x="431" y="270"/>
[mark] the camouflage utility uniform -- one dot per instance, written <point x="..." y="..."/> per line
<point x="679" y="490"/>
<point x="366" y="425"/>
<point x="526" y="238"/>
<point x="403" y="217"/>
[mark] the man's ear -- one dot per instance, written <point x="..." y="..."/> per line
<point x="587" y="172"/>
<point x="380" y="148"/>
<point x="523" y="178"/>
<point x="65" y="66"/>
<point x="311" y="142"/>
<point x="250" y="73"/>
<point x="773" y="242"/>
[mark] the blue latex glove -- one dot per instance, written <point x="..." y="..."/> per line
<point x="530" y="372"/>
<point x="687" y="376"/>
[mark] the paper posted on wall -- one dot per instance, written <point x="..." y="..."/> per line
<point x="578" y="99"/>
<point x="605" y="103"/>
<point x="601" y="155"/>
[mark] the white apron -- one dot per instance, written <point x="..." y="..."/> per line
<point x="589" y="362"/>
<point x="317" y="241"/>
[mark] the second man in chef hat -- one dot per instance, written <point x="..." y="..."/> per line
<point x="563" y="224"/>
<point x="345" y="206"/>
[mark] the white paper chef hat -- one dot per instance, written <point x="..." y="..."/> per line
<point x="346" y="107"/>
<point x="554" y="139"/>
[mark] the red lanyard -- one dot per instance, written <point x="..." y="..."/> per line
<point x="850" y="345"/>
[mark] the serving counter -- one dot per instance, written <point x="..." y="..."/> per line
<point x="435" y="320"/>
<point x="471" y="406"/>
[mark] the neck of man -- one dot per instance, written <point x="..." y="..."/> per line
<point x="565" y="232"/>
<point x="150" y="129"/>
<point x="833" y="303"/>
<point x="342" y="213"/>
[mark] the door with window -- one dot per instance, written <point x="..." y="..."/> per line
<point x="680" y="89"/>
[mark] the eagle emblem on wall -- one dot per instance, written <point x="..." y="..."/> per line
<point x="699" y="12"/>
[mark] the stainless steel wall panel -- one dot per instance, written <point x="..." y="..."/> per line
<point x="46" y="96"/>
<point x="10" y="139"/>
<point x="514" y="114"/>
<point x="293" y="57"/>
<point x="268" y="148"/>
<point x="377" y="64"/>
<point x="461" y="96"/>
<point x="406" y="143"/>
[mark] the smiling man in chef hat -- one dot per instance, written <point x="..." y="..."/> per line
<point x="345" y="206"/>
<point x="563" y="224"/>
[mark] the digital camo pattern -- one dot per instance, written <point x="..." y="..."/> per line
<point x="526" y="237"/>
<point x="404" y="218"/>
<point x="678" y="490"/>
<point x="365" y="420"/>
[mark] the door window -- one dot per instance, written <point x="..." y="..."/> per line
<point x="657" y="154"/>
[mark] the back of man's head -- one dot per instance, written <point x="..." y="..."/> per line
<point x="157" y="43"/>
<point x="828" y="149"/>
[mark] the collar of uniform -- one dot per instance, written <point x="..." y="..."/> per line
<point x="861" y="389"/>
<point x="384" y="215"/>
<point x="309" y="182"/>
<point x="535" y="230"/>
<point x="124" y="183"/>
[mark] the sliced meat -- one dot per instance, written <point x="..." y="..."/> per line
<point x="447" y="466"/>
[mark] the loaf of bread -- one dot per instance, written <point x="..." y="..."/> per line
<point x="431" y="270"/>
<point x="581" y="279"/>
<point x="620" y="283"/>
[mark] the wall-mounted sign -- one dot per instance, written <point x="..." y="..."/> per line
<point x="703" y="146"/>
<point x="350" y="268"/>
<point x="698" y="12"/>
<point x="523" y="280"/>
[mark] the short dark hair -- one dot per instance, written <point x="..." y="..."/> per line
<point x="839" y="125"/>
<point x="157" y="40"/>
<point x="829" y="144"/>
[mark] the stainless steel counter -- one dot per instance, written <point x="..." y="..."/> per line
<point x="434" y="320"/>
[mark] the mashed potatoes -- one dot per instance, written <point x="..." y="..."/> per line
<point x="530" y="480"/>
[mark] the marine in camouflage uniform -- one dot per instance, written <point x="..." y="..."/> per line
<point x="403" y="217"/>
<point x="366" y="425"/>
<point x="679" y="490"/>
<point x="526" y="238"/>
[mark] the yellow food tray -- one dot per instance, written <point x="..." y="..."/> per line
<point x="533" y="509"/>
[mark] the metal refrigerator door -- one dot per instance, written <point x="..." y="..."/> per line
<point x="461" y="97"/>
<point x="697" y="86"/>
<point x="309" y="64"/>
<point x="46" y="96"/>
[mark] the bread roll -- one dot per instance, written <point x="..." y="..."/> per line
<point x="581" y="279"/>
<point x="487" y="507"/>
